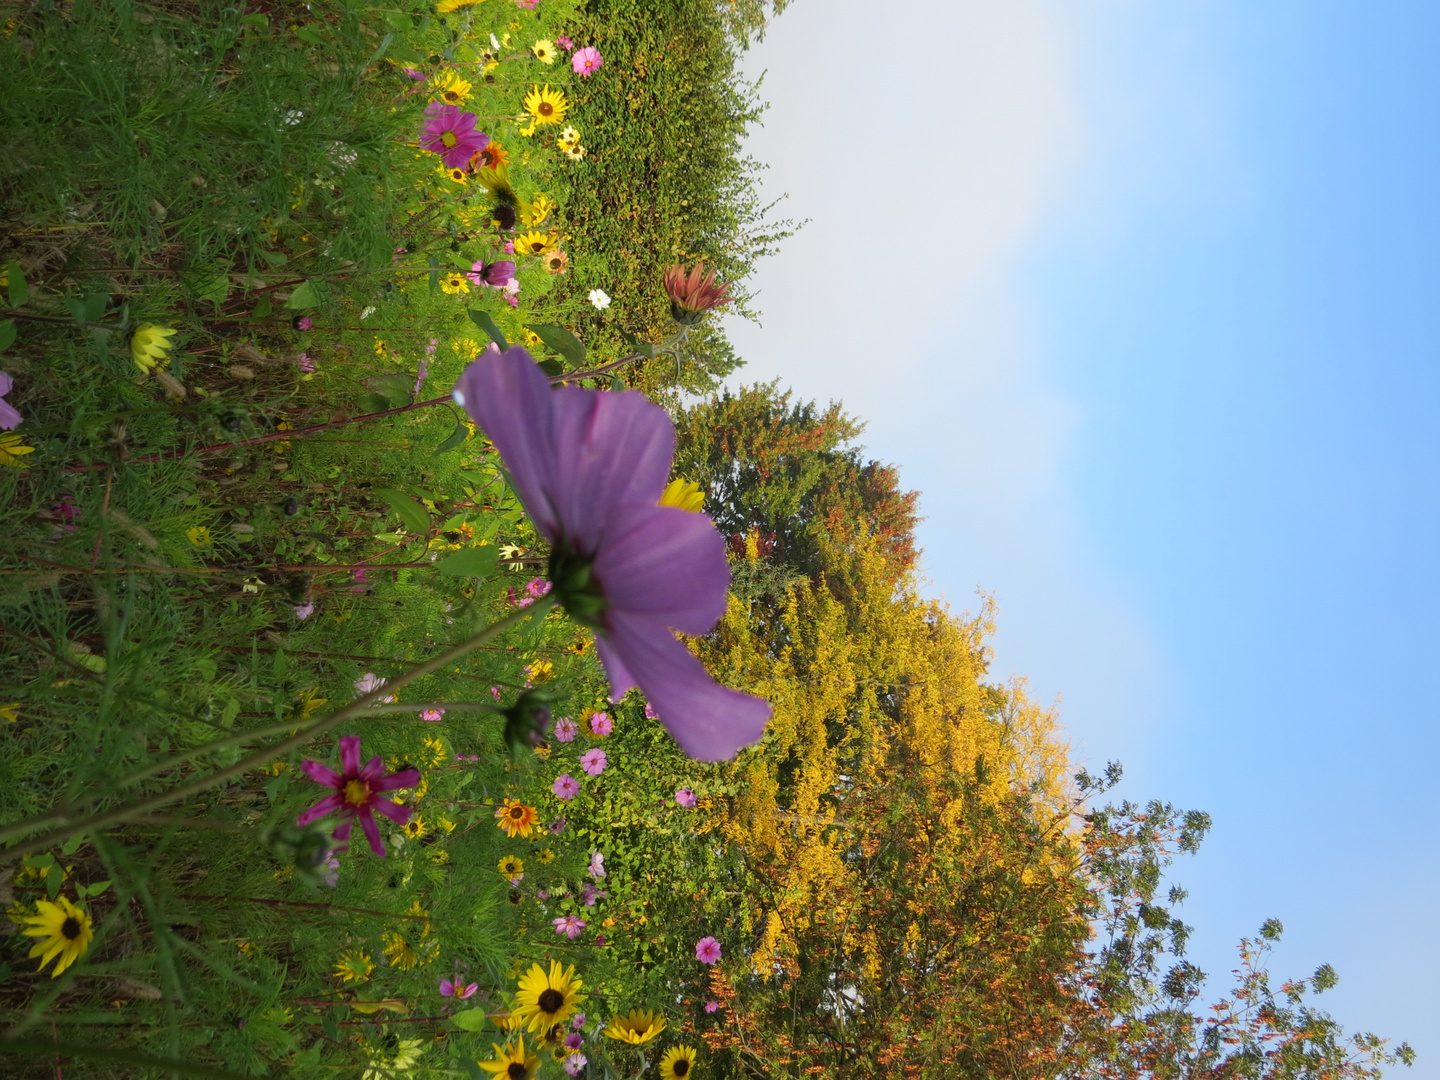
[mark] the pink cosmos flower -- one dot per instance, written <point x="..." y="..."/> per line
<point x="712" y="1006"/>
<point x="590" y="467"/>
<point x="601" y="724"/>
<point x="577" y="1021"/>
<point x="589" y="894"/>
<point x="593" y="761"/>
<point x="357" y="793"/>
<point x="574" y="1041"/>
<point x="432" y="716"/>
<point x="597" y="865"/>
<point x="685" y="797"/>
<point x="416" y="75"/>
<point x="558" y="826"/>
<point x="369" y="683"/>
<point x="707" y="950"/>
<point x="564" y="42"/>
<point x="575" y="1062"/>
<point x="565" y="729"/>
<point x="650" y="713"/>
<point x="565" y="787"/>
<point x="9" y="415"/>
<point x="305" y="610"/>
<point x="570" y="926"/>
<point x="305" y="363"/>
<point x="451" y="132"/>
<point x="586" y="61"/>
<point x="331" y="876"/>
<point x="455" y="990"/>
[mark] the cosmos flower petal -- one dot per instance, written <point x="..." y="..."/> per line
<point x="395" y="812"/>
<point x="709" y="721"/>
<point x="621" y="681"/>
<point x="373" y="771"/>
<point x="371" y="830"/>
<point x="322" y="775"/>
<point x="327" y="805"/>
<point x="667" y="564"/>
<point x="403" y="779"/>
<point x="350" y="755"/>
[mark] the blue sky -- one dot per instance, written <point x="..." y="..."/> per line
<point x="1143" y="299"/>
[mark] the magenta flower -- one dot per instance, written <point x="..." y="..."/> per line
<point x="9" y="416"/>
<point x="451" y="132"/>
<point x="597" y="865"/>
<point x="564" y="42"/>
<point x="574" y="1041"/>
<point x="416" y="75"/>
<point x="570" y="926"/>
<point x="707" y="950"/>
<point x="593" y="762"/>
<point x="650" y="713"/>
<point x="565" y="729"/>
<point x="575" y="1062"/>
<point x="565" y="787"/>
<point x="590" y="467"/>
<point x="712" y="1006"/>
<point x="455" y="990"/>
<point x="589" y="894"/>
<point x="357" y="793"/>
<point x="306" y="364"/>
<point x="496" y="275"/>
<point x="305" y="610"/>
<point x="303" y="322"/>
<point x="577" y="1021"/>
<point x="685" y="797"/>
<point x="586" y="61"/>
<point x="601" y="724"/>
<point x="557" y="826"/>
<point x="432" y="716"/>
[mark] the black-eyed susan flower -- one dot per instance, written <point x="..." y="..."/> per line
<point x="511" y="1061"/>
<point x="354" y="966"/>
<point x="415" y="828"/>
<point x="545" y="51"/>
<point x="546" y="106"/>
<point x="544" y="855"/>
<point x="64" y="931"/>
<point x="13" y="448"/>
<point x="555" y="262"/>
<point x="199" y="536"/>
<point x="492" y="157"/>
<point x="546" y="998"/>
<point x="537" y="211"/>
<point x="511" y="866"/>
<point x="515" y="818"/>
<point x="150" y="346"/>
<point x="574" y="151"/>
<point x="454" y="284"/>
<point x="451" y="88"/>
<point x="637" y="1029"/>
<point x="534" y="243"/>
<point x="678" y="1063"/>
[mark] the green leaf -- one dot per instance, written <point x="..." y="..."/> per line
<point x="39" y="862"/>
<point x="475" y="562"/>
<point x="73" y="844"/>
<point x="454" y="439"/>
<point x="415" y="516"/>
<point x="486" y="323"/>
<point x="99" y="887"/>
<point x="396" y="387"/>
<point x="644" y="348"/>
<point x="95" y="305"/>
<point x="19" y="290"/>
<point x="54" y="878"/>
<point x="469" y="1020"/>
<point x="306" y="295"/>
<point x="562" y="341"/>
<point x="375" y="403"/>
<point x="378" y="53"/>
<point x="398" y="21"/>
<point x="473" y="1068"/>
<point x="7" y="333"/>
<point x="262" y="306"/>
<point x="551" y="366"/>
<point x="212" y="287"/>
<point x="308" y="33"/>
<point x="274" y="258"/>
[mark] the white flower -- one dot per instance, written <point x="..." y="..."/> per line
<point x="599" y="299"/>
<point x="368" y="312"/>
<point x="494" y="41"/>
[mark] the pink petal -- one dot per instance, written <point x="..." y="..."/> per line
<point x="403" y="779"/>
<point x="666" y="564"/>
<point x="709" y="721"/>
<point x="396" y="813"/>
<point x="327" y="805"/>
<point x="322" y="775"/>
<point x="350" y="755"/>
<point x="619" y="675"/>
<point x="372" y="831"/>
<point x="373" y="772"/>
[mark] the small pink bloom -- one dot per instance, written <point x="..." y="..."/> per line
<point x="432" y="716"/>
<point x="368" y="684"/>
<point x="357" y="793"/>
<point x="593" y="761"/>
<point x="527" y="5"/>
<point x="451" y="132"/>
<point x="515" y="303"/>
<point x="455" y="990"/>
<point x="685" y="797"/>
<point x="712" y="1006"/>
<point x="601" y="724"/>
<point x="416" y="75"/>
<point x="304" y="322"/>
<point x="434" y="344"/>
<point x="566" y="729"/>
<point x="495" y="692"/>
<point x="570" y="926"/>
<point x="599" y="939"/>
<point x="597" y="865"/>
<point x="565" y="787"/>
<point x="650" y="713"/>
<point x="305" y="610"/>
<point x="557" y="826"/>
<point x="574" y="1041"/>
<point x="707" y="950"/>
<point x="564" y="42"/>
<point x="575" y="1062"/>
<point x="306" y="364"/>
<point x="509" y="247"/>
<point x="589" y="894"/>
<point x="586" y="61"/>
<point x="577" y="1021"/>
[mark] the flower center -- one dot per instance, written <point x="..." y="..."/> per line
<point x="546" y="109"/>
<point x="575" y="586"/>
<point x="70" y="928"/>
<point x="356" y="792"/>
<point x="516" y="1071"/>
<point x="448" y="139"/>
<point x="551" y="1001"/>
<point x="681" y="1067"/>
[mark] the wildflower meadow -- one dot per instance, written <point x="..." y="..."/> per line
<point x="415" y="664"/>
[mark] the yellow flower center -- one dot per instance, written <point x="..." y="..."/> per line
<point x="448" y="139"/>
<point x="357" y="792"/>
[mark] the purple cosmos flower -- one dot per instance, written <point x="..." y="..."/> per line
<point x="564" y="42"/>
<point x="418" y="76"/>
<point x="593" y="762"/>
<point x="565" y="787"/>
<point x="331" y="866"/>
<point x="496" y="275"/>
<point x="685" y="797"/>
<point x="577" y="1021"/>
<point x="9" y="417"/>
<point x="305" y="610"/>
<point x="451" y="132"/>
<point x="589" y="894"/>
<point x="601" y="724"/>
<point x="574" y="1041"/>
<point x="566" y="729"/>
<point x="305" y="363"/>
<point x="712" y="1006"/>
<point x="455" y="990"/>
<point x="707" y="950"/>
<point x="590" y="467"/>
<point x="432" y="716"/>
<point x="597" y="865"/>
<point x="558" y="826"/>
<point x="574" y="1063"/>
<point x="650" y="713"/>
<point x="570" y="926"/>
<point x="586" y="61"/>
<point x="421" y="375"/>
<point x="357" y="793"/>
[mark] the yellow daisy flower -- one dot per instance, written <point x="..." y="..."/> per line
<point x="451" y="88"/>
<point x="512" y="1062"/>
<point x="455" y="176"/>
<point x="454" y="284"/>
<point x="415" y="828"/>
<point x="574" y="151"/>
<point x="541" y="670"/>
<point x="445" y="7"/>
<point x="546" y="106"/>
<point x="13" y="448"/>
<point x="637" y="1029"/>
<point x="399" y="952"/>
<point x="516" y="819"/>
<point x="544" y="51"/>
<point x="307" y="702"/>
<point x="151" y="345"/>
<point x="437" y="749"/>
<point x="199" y="535"/>
<point x="511" y="866"/>
<point x="678" y="1063"/>
<point x="64" y="930"/>
<point x="545" y="999"/>
<point x="545" y="855"/>
<point x="537" y="211"/>
<point x="354" y="966"/>
<point x="685" y="494"/>
<point x="534" y="243"/>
